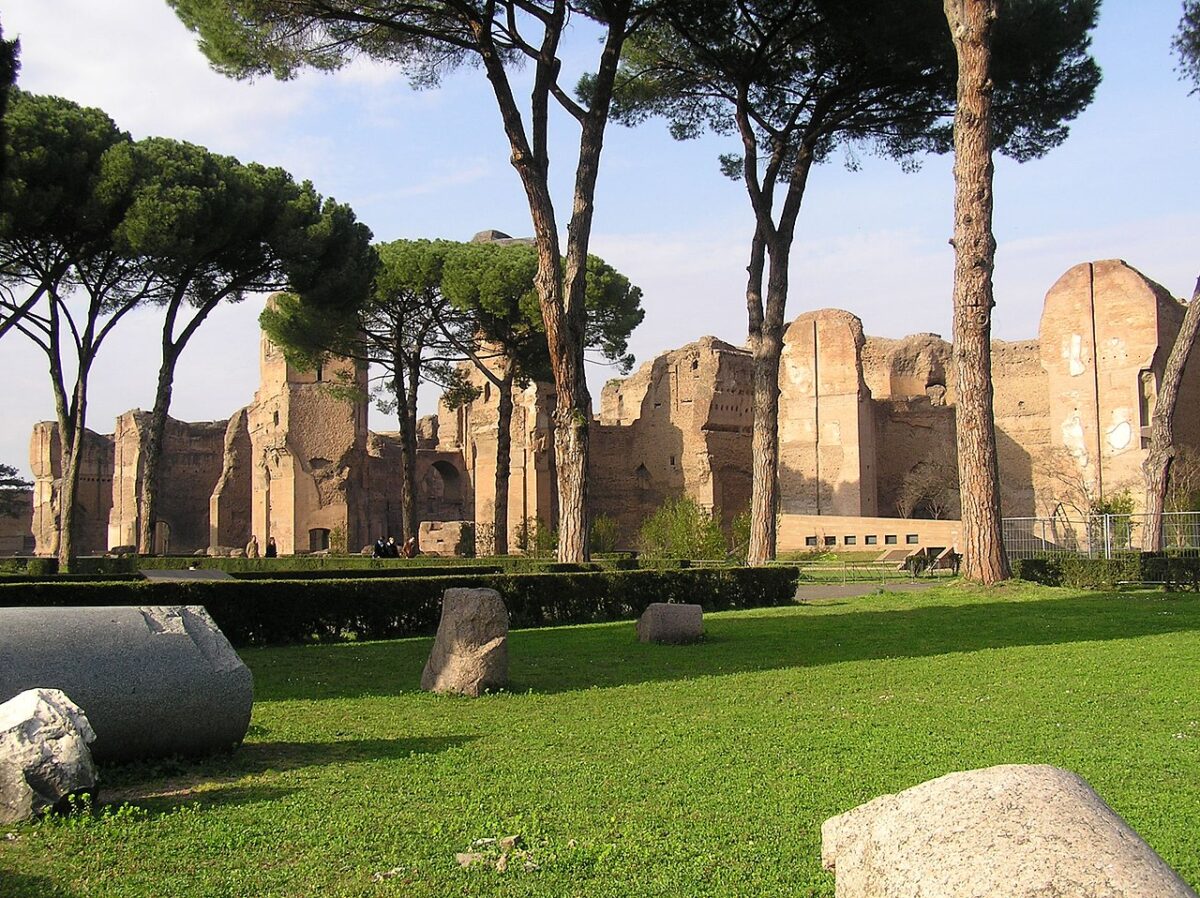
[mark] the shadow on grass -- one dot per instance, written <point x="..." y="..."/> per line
<point x="18" y="885"/>
<point x="160" y="786"/>
<point x="566" y="659"/>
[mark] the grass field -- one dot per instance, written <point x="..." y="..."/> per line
<point x="632" y="770"/>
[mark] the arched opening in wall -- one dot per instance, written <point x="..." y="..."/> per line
<point x="162" y="538"/>
<point x="443" y="492"/>
<point x="318" y="539"/>
<point x="1147" y="395"/>
<point x="732" y="493"/>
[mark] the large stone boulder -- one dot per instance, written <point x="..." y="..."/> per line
<point x="670" y="622"/>
<point x="1014" y="830"/>
<point x="44" y="755"/>
<point x="470" y="653"/>
<point x="154" y="681"/>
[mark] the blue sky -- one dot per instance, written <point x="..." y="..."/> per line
<point x="434" y="163"/>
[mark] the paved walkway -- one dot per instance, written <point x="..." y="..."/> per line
<point x="808" y="592"/>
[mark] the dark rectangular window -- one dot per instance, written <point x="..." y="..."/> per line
<point x="849" y="540"/>
<point x="871" y="540"/>
<point x="912" y="539"/>
<point x="889" y="539"/>
<point x="831" y="540"/>
<point x="810" y="540"/>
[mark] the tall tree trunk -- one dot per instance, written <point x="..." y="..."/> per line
<point x="148" y="494"/>
<point x="408" y="448"/>
<point x="562" y="306"/>
<point x="1157" y="466"/>
<point x="70" y="437"/>
<point x="984" y="559"/>
<point x="503" y="463"/>
<point x="412" y="514"/>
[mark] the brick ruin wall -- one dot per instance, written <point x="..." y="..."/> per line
<point x="858" y="414"/>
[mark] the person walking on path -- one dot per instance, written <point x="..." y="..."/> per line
<point x="252" y="547"/>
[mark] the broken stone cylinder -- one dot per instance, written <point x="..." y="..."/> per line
<point x="153" y="681"/>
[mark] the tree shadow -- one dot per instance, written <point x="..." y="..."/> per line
<point x="19" y="885"/>
<point x="552" y="660"/>
<point x="160" y="786"/>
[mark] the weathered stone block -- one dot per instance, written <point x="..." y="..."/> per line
<point x="470" y="653"/>
<point x="669" y="622"/>
<point x="447" y="538"/>
<point x="44" y="753"/>
<point x="154" y="681"/>
<point x="1013" y="830"/>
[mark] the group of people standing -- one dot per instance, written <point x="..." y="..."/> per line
<point x="270" y="551"/>
<point x="389" y="549"/>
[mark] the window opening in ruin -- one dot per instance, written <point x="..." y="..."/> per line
<point x="487" y="391"/>
<point x="672" y="461"/>
<point x="451" y="482"/>
<point x="318" y="539"/>
<point x="871" y="540"/>
<point x="320" y="372"/>
<point x="1147" y="393"/>
<point x="642" y="476"/>
<point x="695" y="364"/>
<point x="850" y="540"/>
<point x="912" y="539"/>
<point x="276" y="418"/>
<point x="810" y="540"/>
<point x="889" y="539"/>
<point x="831" y="540"/>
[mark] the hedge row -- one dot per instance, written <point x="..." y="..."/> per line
<point x="1173" y="571"/>
<point x="275" y="611"/>
<point x="333" y="565"/>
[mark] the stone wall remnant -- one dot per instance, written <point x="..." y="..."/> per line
<point x="154" y="681"/>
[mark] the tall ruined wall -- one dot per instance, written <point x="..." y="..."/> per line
<point x="229" y="518"/>
<point x="827" y="461"/>
<point x="308" y="446"/>
<point x="679" y="426"/>
<point x="1105" y="334"/>
<point x="911" y="383"/>
<point x="93" y="498"/>
<point x="16" y="529"/>
<point x="192" y="457"/>
<point x="443" y="485"/>
<point x="471" y="431"/>
<point x="1022" y="404"/>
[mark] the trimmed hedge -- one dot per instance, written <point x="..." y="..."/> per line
<point x="1172" y="571"/>
<point x="258" y="612"/>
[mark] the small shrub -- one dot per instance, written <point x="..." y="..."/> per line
<point x="604" y="536"/>
<point x="681" y="529"/>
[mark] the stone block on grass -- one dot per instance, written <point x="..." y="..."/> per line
<point x="671" y="623"/>
<point x="154" y="681"/>
<point x="1019" y="830"/>
<point x="470" y="652"/>
<point x="44" y="756"/>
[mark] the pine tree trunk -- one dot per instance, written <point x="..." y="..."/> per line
<point x="70" y="452"/>
<point x="148" y="494"/>
<point x="503" y="464"/>
<point x="764" y="494"/>
<point x="408" y="451"/>
<point x="984" y="559"/>
<point x="1157" y="466"/>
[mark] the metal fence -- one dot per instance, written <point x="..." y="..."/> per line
<point x="1099" y="535"/>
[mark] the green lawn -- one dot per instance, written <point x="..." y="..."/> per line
<point x="634" y="770"/>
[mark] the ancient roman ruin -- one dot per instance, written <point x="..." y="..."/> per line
<point x="866" y="434"/>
